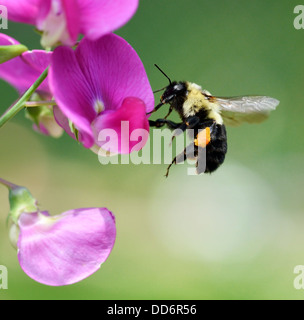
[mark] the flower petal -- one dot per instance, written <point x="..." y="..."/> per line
<point x="64" y="249"/>
<point x="129" y="117"/>
<point x="71" y="9"/>
<point x="21" y="10"/>
<point x="63" y="121"/>
<point x="72" y="92"/>
<point x="99" y="17"/>
<point x="59" y="21"/>
<point x="21" y="72"/>
<point x="115" y="71"/>
<point x="44" y="121"/>
<point x="6" y="40"/>
<point x="44" y="8"/>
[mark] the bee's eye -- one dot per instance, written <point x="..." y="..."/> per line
<point x="178" y="87"/>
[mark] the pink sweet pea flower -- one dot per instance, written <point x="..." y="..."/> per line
<point x="58" y="250"/>
<point x="21" y="72"/>
<point x="101" y="85"/>
<point x="64" y="249"/>
<point x="63" y="20"/>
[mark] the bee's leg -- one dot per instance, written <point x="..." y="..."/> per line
<point x="190" y="123"/>
<point x="169" y="112"/>
<point x="156" y="108"/>
<point x="190" y="152"/>
<point x="156" y="123"/>
<point x="161" y="122"/>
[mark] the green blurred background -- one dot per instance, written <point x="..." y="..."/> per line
<point x="237" y="234"/>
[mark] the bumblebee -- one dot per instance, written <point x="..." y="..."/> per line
<point x="207" y="115"/>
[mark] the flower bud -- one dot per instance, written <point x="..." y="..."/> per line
<point x="21" y="201"/>
<point x="14" y="235"/>
<point x="9" y="52"/>
<point x="43" y="119"/>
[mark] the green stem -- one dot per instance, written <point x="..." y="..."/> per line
<point x="11" y="112"/>
<point x="7" y="184"/>
<point x="32" y="104"/>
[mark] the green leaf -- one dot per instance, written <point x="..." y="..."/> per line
<point x="9" y="52"/>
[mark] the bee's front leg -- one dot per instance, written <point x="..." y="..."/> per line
<point x="190" y="123"/>
<point x="161" y="122"/>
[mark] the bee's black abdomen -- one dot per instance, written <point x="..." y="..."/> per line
<point x="215" y="150"/>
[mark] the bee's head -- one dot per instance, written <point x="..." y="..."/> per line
<point x="173" y="90"/>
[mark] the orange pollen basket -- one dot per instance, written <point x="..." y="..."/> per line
<point x="203" y="138"/>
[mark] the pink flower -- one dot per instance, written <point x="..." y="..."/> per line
<point x="64" y="249"/>
<point x="21" y="72"/>
<point x="63" y="20"/>
<point x="99" y="86"/>
<point x="58" y="250"/>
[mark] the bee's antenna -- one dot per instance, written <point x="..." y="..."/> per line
<point x="159" y="90"/>
<point x="162" y="73"/>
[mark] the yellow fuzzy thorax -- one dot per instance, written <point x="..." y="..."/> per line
<point x="197" y="100"/>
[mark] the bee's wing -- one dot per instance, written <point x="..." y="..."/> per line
<point x="252" y="109"/>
